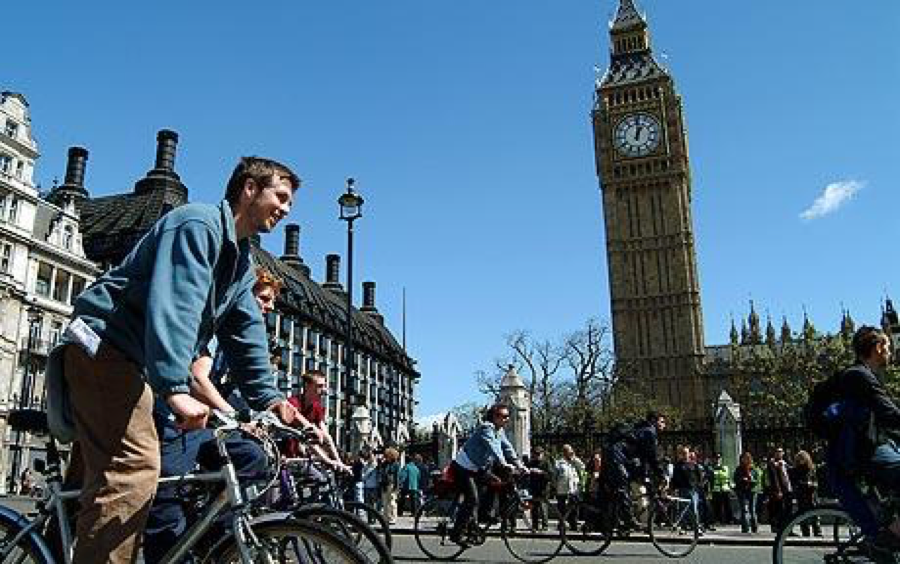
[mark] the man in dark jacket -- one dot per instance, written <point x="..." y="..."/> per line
<point x="631" y="455"/>
<point x="878" y="443"/>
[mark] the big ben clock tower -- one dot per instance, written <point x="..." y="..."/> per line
<point x="642" y="161"/>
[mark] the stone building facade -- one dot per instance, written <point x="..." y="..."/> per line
<point x="43" y="267"/>
<point x="640" y="142"/>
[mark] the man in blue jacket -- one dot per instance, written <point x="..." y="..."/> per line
<point x="487" y="449"/>
<point x="135" y="332"/>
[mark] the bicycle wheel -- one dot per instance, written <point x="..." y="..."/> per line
<point x="432" y="529"/>
<point x="839" y="539"/>
<point x="587" y="531"/>
<point x="522" y="539"/>
<point x="348" y="526"/>
<point x="673" y="525"/>
<point x="289" y="540"/>
<point x="373" y="517"/>
<point x="19" y="547"/>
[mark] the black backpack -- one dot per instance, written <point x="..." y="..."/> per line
<point x="824" y="411"/>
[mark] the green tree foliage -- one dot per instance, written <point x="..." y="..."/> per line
<point x="772" y="382"/>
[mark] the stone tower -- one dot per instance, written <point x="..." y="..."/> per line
<point x="640" y="143"/>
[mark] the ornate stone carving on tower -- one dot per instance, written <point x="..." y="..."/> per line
<point x="641" y="150"/>
<point x="515" y="395"/>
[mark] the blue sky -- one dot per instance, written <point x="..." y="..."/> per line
<point x="466" y="123"/>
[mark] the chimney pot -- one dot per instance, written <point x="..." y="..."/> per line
<point x="166" y="143"/>
<point x="75" y="166"/>
<point x="291" y="240"/>
<point x="332" y="271"/>
<point x="368" y="295"/>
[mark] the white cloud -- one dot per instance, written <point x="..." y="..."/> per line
<point x="835" y="195"/>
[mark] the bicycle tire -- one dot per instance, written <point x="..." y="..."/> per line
<point x="279" y="540"/>
<point x="373" y="517"/>
<point x="351" y="527"/>
<point x="839" y="540"/>
<point x="592" y="533"/>
<point x="522" y="541"/>
<point x="30" y="548"/>
<point x="432" y="525"/>
<point x="673" y="526"/>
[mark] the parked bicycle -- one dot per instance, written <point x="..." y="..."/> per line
<point x="513" y="523"/>
<point x="280" y="540"/>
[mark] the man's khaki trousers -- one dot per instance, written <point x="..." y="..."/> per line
<point x="113" y="409"/>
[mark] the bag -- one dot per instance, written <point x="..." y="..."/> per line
<point x="59" y="403"/>
<point x="387" y="477"/>
<point x="445" y="486"/>
<point x="825" y="410"/>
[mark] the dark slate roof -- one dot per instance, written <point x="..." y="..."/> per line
<point x="631" y="68"/>
<point x="327" y="308"/>
<point x="111" y="225"/>
<point x="627" y="16"/>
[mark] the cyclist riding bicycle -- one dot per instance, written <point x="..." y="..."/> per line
<point x="870" y="426"/>
<point x="486" y="453"/>
<point x="631" y="456"/>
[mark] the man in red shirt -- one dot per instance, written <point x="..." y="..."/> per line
<point x="312" y="417"/>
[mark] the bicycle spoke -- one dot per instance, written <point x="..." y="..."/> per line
<point x="522" y="539"/>
<point x="824" y="534"/>
<point x="673" y="526"/>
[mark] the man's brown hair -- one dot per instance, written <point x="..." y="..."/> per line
<point x="865" y="340"/>
<point x="310" y="376"/>
<point x="261" y="171"/>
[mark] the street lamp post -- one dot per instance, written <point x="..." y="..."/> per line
<point x="34" y="318"/>
<point x="351" y="209"/>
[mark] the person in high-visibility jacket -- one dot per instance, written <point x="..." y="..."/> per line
<point x="721" y="492"/>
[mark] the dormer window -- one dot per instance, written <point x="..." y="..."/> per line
<point x="68" y="235"/>
<point x="11" y="129"/>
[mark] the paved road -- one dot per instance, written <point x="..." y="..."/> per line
<point x="494" y="552"/>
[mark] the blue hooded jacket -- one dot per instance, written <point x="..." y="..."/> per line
<point x="187" y="279"/>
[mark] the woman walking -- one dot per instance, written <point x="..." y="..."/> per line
<point x="745" y="481"/>
<point x="803" y="479"/>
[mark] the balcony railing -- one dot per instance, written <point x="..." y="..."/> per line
<point x="38" y="346"/>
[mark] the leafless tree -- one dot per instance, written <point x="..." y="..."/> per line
<point x="590" y="360"/>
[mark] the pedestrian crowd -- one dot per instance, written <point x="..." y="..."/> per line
<point x="381" y="479"/>
<point x="767" y="491"/>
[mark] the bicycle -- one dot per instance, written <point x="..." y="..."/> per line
<point x="671" y="522"/>
<point x="310" y="491"/>
<point x="591" y="524"/>
<point x="435" y="518"/>
<point x="23" y="539"/>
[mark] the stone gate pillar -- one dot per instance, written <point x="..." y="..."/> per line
<point x="728" y="430"/>
<point x="514" y="394"/>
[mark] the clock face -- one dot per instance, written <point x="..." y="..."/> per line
<point x="637" y="135"/>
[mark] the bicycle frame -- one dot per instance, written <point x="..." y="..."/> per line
<point x="54" y="504"/>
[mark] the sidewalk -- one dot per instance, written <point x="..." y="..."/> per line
<point x="724" y="535"/>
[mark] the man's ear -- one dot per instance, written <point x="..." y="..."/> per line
<point x="249" y="188"/>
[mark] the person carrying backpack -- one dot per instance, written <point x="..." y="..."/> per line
<point x="867" y="432"/>
<point x="631" y="454"/>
